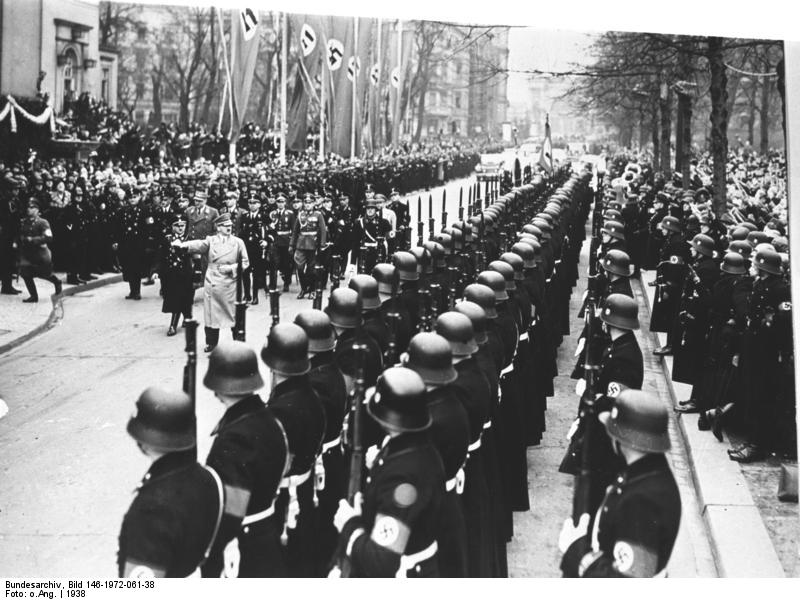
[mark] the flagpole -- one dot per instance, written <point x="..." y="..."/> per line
<point x="284" y="66"/>
<point x="376" y="123"/>
<point x="323" y="73"/>
<point x="398" y="99"/>
<point x="355" y="91"/>
<point x="231" y="157"/>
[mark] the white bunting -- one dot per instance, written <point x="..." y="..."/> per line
<point x="308" y="39"/>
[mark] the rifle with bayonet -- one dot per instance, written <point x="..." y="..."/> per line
<point x="420" y="223"/>
<point x="274" y="296"/>
<point x="444" y="209"/>
<point x="320" y="274"/>
<point x="240" y="314"/>
<point x="190" y="368"/>
<point x="336" y="272"/>
<point x="431" y="220"/>
<point x="393" y="318"/>
<point x="353" y="437"/>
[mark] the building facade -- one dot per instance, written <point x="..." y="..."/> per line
<point x="51" y="47"/>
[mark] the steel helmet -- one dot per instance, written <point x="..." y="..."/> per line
<point x="286" y="350"/>
<point x="398" y="401"/>
<point x="457" y="329"/>
<point x="638" y="421"/>
<point x="164" y="420"/>
<point x="233" y="369"/>
<point x="620" y="311"/>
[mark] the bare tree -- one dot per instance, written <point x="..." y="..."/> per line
<point x="115" y="20"/>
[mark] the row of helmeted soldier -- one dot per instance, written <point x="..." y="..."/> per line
<point x="455" y="343"/>
<point x="723" y="299"/>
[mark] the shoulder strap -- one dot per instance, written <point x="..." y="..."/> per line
<point x="221" y="493"/>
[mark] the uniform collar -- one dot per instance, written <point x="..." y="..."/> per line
<point x="248" y="404"/>
<point x="289" y="385"/>
<point x="646" y="465"/>
<point x="169" y="463"/>
<point x="322" y="359"/>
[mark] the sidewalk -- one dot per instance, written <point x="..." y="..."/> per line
<point x="752" y="533"/>
<point x="19" y="322"/>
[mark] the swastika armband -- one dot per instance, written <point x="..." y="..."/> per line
<point x="390" y="533"/>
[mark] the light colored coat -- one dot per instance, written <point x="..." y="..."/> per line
<point x="219" y="289"/>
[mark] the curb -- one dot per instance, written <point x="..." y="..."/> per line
<point x="730" y="515"/>
<point x="57" y="311"/>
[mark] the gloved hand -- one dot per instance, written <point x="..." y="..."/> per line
<point x="345" y="512"/>
<point x="570" y="532"/>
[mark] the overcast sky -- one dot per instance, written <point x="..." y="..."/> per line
<point x="543" y="49"/>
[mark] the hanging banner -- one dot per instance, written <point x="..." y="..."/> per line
<point x="244" y="51"/>
<point x="307" y="29"/>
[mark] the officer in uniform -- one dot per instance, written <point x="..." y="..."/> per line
<point x="175" y="272"/>
<point x="231" y="207"/>
<point x="129" y="241"/>
<point x="369" y="232"/>
<point x="281" y="226"/>
<point x="250" y="453"/>
<point x="199" y="225"/>
<point x="173" y="520"/>
<point x="399" y="206"/>
<point x="394" y="531"/>
<point x="302" y="416"/>
<point x="308" y="238"/>
<point x="256" y="241"/>
<point x="35" y="259"/>
<point x="635" y="528"/>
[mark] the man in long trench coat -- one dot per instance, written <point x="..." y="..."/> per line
<point x="222" y="251"/>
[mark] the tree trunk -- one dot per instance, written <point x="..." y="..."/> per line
<point x="683" y="146"/>
<point x="642" y="129"/>
<point x="665" y="109"/>
<point x="654" y="138"/>
<point x="780" y="68"/>
<point x="719" y="123"/>
<point x="420" y="114"/>
<point x="211" y="90"/>
<point x="679" y="158"/>
<point x="765" y="94"/>
<point x="183" y="114"/>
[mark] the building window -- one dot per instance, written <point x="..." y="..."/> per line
<point x="140" y="90"/>
<point x="69" y="76"/>
<point x="141" y="33"/>
<point x="458" y="68"/>
<point x="105" y="83"/>
<point x="457" y="100"/>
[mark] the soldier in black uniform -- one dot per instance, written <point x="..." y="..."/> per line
<point x="175" y="272"/>
<point x="302" y="416"/>
<point x="129" y="241"/>
<point x="250" y="453"/>
<point x="256" y="240"/>
<point x="761" y="358"/>
<point x="370" y="233"/>
<point x="400" y="208"/>
<point x="374" y="322"/>
<point x="402" y="327"/>
<point x="474" y="391"/>
<point x="635" y="528"/>
<point x="670" y="276"/>
<point x="395" y="531"/>
<point x="172" y="522"/>
<point x="330" y="470"/>
<point x="344" y="310"/>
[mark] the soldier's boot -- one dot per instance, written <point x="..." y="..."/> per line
<point x="212" y="338"/>
<point x="173" y="324"/>
<point x="31" y="287"/>
<point x="255" y="294"/>
<point x="135" y="285"/>
<point x="246" y="285"/>
<point x="8" y="288"/>
<point x="56" y="283"/>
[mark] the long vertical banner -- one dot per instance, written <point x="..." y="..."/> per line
<point x="338" y="48"/>
<point x="402" y="42"/>
<point x="244" y="51"/>
<point x="306" y="31"/>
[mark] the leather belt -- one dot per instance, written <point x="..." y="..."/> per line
<point x="475" y="445"/>
<point x="330" y="445"/>
<point x="409" y="561"/>
<point x="507" y="370"/>
<point x="524" y="337"/>
<point x="259" y="516"/>
<point x="487" y="425"/>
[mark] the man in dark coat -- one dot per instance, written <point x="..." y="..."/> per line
<point x="395" y="531"/>
<point x="635" y="528"/>
<point x="250" y="454"/>
<point x="129" y="242"/>
<point x="175" y="272"/>
<point x="172" y="522"/>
